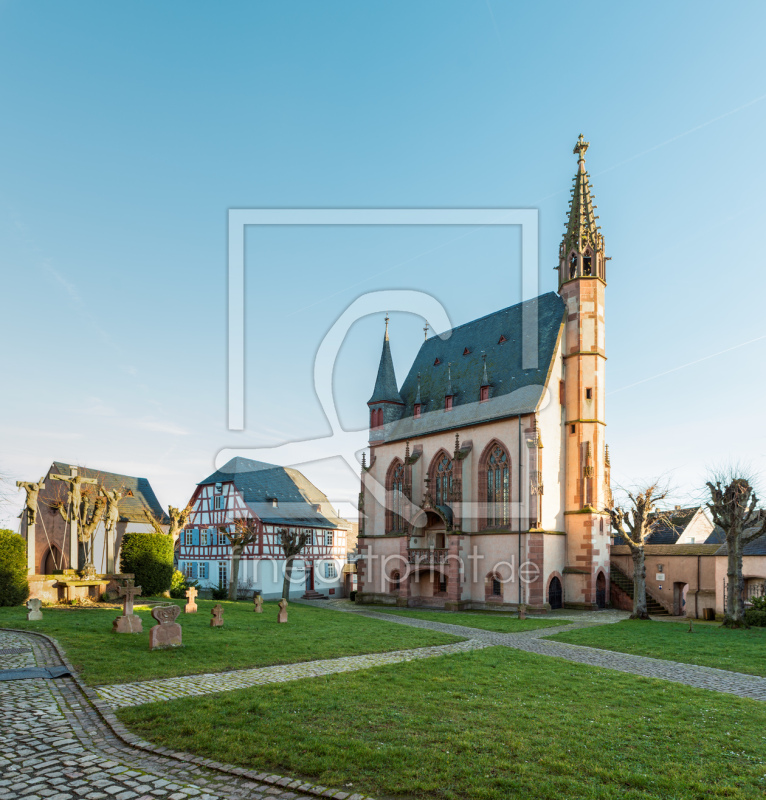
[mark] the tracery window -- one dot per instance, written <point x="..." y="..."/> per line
<point x="498" y="488"/>
<point x="442" y="480"/>
<point x="396" y="497"/>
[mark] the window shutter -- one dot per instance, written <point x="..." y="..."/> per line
<point x="195" y="537"/>
<point x="194" y="570"/>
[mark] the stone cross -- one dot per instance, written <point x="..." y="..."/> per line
<point x="34" y="608"/>
<point x="75" y="482"/>
<point x="258" y="603"/>
<point x="217" y="612"/>
<point x="282" y="616"/>
<point x="168" y="633"/>
<point x="191" y="606"/>
<point x="129" y="592"/>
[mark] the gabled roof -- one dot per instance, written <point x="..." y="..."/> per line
<point x="260" y="484"/>
<point x="131" y="507"/>
<point x="755" y="548"/>
<point x="513" y="390"/>
<point x="672" y="527"/>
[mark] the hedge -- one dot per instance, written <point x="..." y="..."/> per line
<point x="755" y="617"/>
<point x="14" y="587"/>
<point x="149" y="556"/>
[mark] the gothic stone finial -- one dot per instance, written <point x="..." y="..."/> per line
<point x="425" y="330"/>
<point x="387" y="318"/>
<point x="580" y="148"/>
<point x="457" y="444"/>
<point x="364" y="461"/>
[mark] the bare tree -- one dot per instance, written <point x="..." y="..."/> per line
<point x="635" y="525"/>
<point x="240" y="535"/>
<point x="292" y="544"/>
<point x="733" y="506"/>
<point x="178" y="518"/>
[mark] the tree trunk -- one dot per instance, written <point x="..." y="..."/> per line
<point x="734" y="616"/>
<point x="288" y="577"/>
<point x="236" y="555"/>
<point x="639" y="584"/>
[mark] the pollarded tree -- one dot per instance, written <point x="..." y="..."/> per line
<point x="733" y="506"/>
<point x="292" y="544"/>
<point x="242" y="533"/>
<point x="178" y="518"/>
<point x="635" y="525"/>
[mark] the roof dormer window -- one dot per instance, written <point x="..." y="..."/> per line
<point x="417" y="410"/>
<point x="448" y="402"/>
<point x="484" y="394"/>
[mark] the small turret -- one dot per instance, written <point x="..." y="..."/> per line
<point x="386" y="404"/>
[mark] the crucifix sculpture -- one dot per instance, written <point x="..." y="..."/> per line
<point x="32" y="490"/>
<point x="74" y="499"/>
<point x="112" y="517"/>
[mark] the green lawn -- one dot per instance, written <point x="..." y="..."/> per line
<point x="246" y="640"/>
<point x="708" y="645"/>
<point x="490" y="725"/>
<point x="489" y="621"/>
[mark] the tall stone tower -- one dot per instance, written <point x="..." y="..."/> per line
<point x="582" y="283"/>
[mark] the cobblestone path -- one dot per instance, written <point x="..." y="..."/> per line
<point x="59" y="742"/>
<point x="136" y="694"/>
<point x="718" y="680"/>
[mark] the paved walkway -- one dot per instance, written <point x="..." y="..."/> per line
<point x="59" y="742"/>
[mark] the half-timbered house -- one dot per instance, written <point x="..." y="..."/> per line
<point x="276" y="499"/>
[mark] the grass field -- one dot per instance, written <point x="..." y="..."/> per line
<point x="246" y="640"/>
<point x="708" y="645"/>
<point x="490" y="621"/>
<point x="487" y="725"/>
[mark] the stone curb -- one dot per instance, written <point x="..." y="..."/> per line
<point x="137" y="743"/>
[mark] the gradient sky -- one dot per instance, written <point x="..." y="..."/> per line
<point x="129" y="130"/>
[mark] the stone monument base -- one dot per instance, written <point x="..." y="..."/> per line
<point x="131" y="624"/>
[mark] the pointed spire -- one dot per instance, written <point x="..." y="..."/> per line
<point x="457" y="444"/>
<point x="607" y="462"/>
<point x="364" y="462"/>
<point x="581" y="227"/>
<point x="485" y="378"/>
<point x="417" y="396"/>
<point x="385" y="385"/>
<point x="425" y="330"/>
<point x="449" y="379"/>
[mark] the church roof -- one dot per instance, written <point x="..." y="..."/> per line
<point x="581" y="226"/>
<point x="498" y="336"/>
<point x="140" y="498"/>
<point x="385" y="384"/>
<point x="262" y="484"/>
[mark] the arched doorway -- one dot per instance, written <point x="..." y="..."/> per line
<point x="555" y="595"/>
<point x="52" y="560"/>
<point x="601" y="590"/>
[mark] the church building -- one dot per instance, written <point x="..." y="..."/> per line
<point x="488" y="476"/>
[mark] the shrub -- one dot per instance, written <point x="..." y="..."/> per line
<point x="755" y="617"/>
<point x="149" y="556"/>
<point x="14" y="588"/>
<point x="220" y="592"/>
<point x="179" y="584"/>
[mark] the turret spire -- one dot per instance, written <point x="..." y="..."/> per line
<point x="386" y="390"/>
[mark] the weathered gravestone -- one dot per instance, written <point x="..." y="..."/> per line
<point x="282" y="616"/>
<point x="34" y="608"/>
<point x="167" y="633"/>
<point x="191" y="606"/>
<point x="217" y="612"/>
<point x="128" y="622"/>
<point x="258" y="603"/>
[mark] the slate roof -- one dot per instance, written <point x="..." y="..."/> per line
<point x="513" y="391"/>
<point x="131" y="508"/>
<point x="385" y="384"/>
<point x="259" y="483"/>
<point x="668" y="550"/>
<point x="717" y="536"/>
<point x="669" y="532"/>
<point x="755" y="548"/>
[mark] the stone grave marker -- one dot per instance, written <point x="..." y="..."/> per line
<point x="167" y="633"/>
<point x="258" y="603"/>
<point x="522" y="611"/>
<point x="217" y="612"/>
<point x="128" y="622"/>
<point x="282" y="616"/>
<point x="191" y="606"/>
<point x="34" y="608"/>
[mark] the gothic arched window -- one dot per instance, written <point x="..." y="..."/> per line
<point x="586" y="264"/>
<point x="498" y="487"/>
<point x="573" y="265"/>
<point x="395" y="496"/>
<point x="442" y="480"/>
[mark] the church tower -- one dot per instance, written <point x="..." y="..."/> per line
<point x="582" y="283"/>
<point x="386" y="404"/>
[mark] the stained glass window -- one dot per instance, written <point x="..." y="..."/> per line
<point x="396" y="498"/>
<point x="498" y="488"/>
<point x="443" y="481"/>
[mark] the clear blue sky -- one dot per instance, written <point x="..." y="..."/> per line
<point x="129" y="129"/>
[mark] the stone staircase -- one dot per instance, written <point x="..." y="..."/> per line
<point x="625" y="583"/>
<point x="310" y="594"/>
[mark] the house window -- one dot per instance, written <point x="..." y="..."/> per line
<point x="189" y="537"/>
<point x="497" y="589"/>
<point x="219" y="488"/>
<point x="484" y="394"/>
<point x="203" y="571"/>
<point x="329" y="570"/>
<point x="589" y="394"/>
<point x="328" y="539"/>
<point x="448" y="403"/>
<point x="223" y="574"/>
<point x="417" y="410"/>
<point x="219" y="503"/>
<point x="203" y="540"/>
<point x="498" y="488"/>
